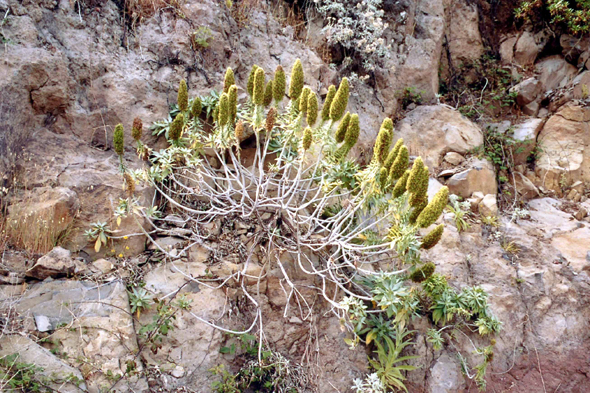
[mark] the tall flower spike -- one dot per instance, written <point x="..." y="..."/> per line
<point x="312" y="109"/>
<point x="383" y="175"/>
<point x="251" y="77"/>
<point x="137" y="129"/>
<point x="229" y="79"/>
<point x="416" y="175"/>
<point x="387" y="123"/>
<point x="297" y="80"/>
<point x="393" y="154"/>
<point x="434" y="209"/>
<point x="259" y="87"/>
<point x="400" y="185"/>
<point x="307" y="138"/>
<point x="182" y="96"/>
<point x="328" y="103"/>
<point x="279" y="84"/>
<point x="233" y="103"/>
<point x="418" y="204"/>
<point x="382" y="144"/>
<point x="176" y="127"/>
<point x="340" y="101"/>
<point x="197" y="107"/>
<point x="119" y="139"/>
<point x="342" y="127"/>
<point x="433" y="237"/>
<point x="303" y="99"/>
<point x="400" y="164"/>
<point x="223" y="109"/>
<point x="270" y="119"/>
<point x="239" y="131"/>
<point x="353" y="131"/>
<point x="268" y="93"/>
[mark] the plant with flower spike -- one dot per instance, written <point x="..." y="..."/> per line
<point x="268" y="92"/>
<point x="342" y="127"/>
<point x="340" y="101"/>
<point x="196" y="108"/>
<point x="182" y="96"/>
<point x="279" y="84"/>
<point x="328" y="103"/>
<point x="251" y="77"/>
<point x="297" y="81"/>
<point x="233" y="103"/>
<point x="229" y="80"/>
<point x="312" y="109"/>
<point x="258" y="96"/>
<point x="118" y="140"/>
<point x="356" y="218"/>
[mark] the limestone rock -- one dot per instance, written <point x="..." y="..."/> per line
<point x="57" y="263"/>
<point x="432" y="131"/>
<point x="488" y="206"/>
<point x="480" y="176"/>
<point x="525" y="188"/>
<point x="54" y="370"/>
<point x="525" y="134"/>
<point x="526" y="49"/>
<point x="582" y="85"/>
<point x="454" y="158"/>
<point x="465" y="44"/>
<point x="563" y="159"/>
<point x="555" y="72"/>
<point x="507" y="49"/>
<point x="445" y="376"/>
<point x="37" y="220"/>
<point x="527" y="91"/>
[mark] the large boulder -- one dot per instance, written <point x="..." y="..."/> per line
<point x="57" y="263"/>
<point x="565" y="146"/>
<point x="525" y="134"/>
<point x="555" y="72"/>
<point x="479" y="176"/>
<point x="526" y="49"/>
<point x="464" y="39"/>
<point x="38" y="220"/>
<point x="432" y="131"/>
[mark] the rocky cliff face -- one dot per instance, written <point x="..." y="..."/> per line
<point x="71" y="70"/>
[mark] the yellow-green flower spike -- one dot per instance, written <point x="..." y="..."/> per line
<point x="239" y="131"/>
<point x="400" y="164"/>
<point x="340" y="101"/>
<point x="119" y="139"/>
<point x="307" y="138"/>
<point x="196" y="108"/>
<point x="229" y="79"/>
<point x="259" y="87"/>
<point x="433" y="237"/>
<point x="423" y="273"/>
<point x="418" y="204"/>
<point x="393" y="154"/>
<point x="176" y="127"/>
<point x="382" y="144"/>
<point x="312" y="109"/>
<point x="279" y="84"/>
<point x="233" y="102"/>
<point x="353" y="131"/>
<point x="400" y="185"/>
<point x="303" y="99"/>
<point x="270" y="119"/>
<point x="342" y="127"/>
<point x="383" y="175"/>
<point x="137" y="129"/>
<point x="182" y="96"/>
<point x="416" y="175"/>
<point x="387" y="124"/>
<point x="328" y="103"/>
<point x="268" y="93"/>
<point x="223" y="109"/>
<point x="251" y="77"/>
<point x="434" y="209"/>
<point x="297" y="81"/>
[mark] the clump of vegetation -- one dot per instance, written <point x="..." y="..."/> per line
<point x="201" y="37"/>
<point x="481" y="90"/>
<point x="358" y="27"/>
<point x="325" y="205"/>
<point x="572" y="16"/>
